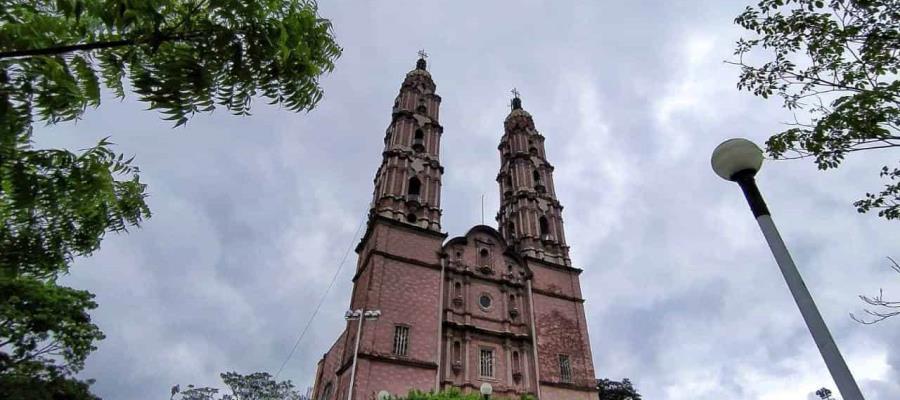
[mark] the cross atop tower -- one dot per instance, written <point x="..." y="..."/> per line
<point x="422" y="56"/>
<point x="516" y="101"/>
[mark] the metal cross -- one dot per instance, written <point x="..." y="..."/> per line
<point x="515" y="92"/>
<point x="423" y="54"/>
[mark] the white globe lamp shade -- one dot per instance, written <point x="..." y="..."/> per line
<point x="736" y="155"/>
<point x="487" y="389"/>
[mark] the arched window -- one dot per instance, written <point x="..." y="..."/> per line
<point x="457" y="351"/>
<point x="510" y="230"/>
<point x="508" y="181"/>
<point x="457" y="290"/>
<point x="418" y="143"/>
<point x="533" y="151"/>
<point x="537" y="177"/>
<point x="485" y="257"/>
<point x="414" y="188"/>
<point x="545" y="227"/>
<point x="515" y="362"/>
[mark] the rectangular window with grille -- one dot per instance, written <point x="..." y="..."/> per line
<point x="401" y="340"/>
<point x="487" y="362"/>
<point x="565" y="368"/>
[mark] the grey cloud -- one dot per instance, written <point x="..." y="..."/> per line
<point x="252" y="215"/>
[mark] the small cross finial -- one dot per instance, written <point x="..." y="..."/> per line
<point x="515" y="92"/>
<point x="423" y="54"/>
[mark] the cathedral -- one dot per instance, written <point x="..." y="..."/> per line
<point x="493" y="307"/>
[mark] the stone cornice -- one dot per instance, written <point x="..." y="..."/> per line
<point x="392" y="359"/>
<point x="374" y="219"/>
<point x="555" y="266"/>
<point x="556" y="295"/>
<point x="473" y="328"/>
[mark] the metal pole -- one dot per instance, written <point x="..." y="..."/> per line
<point x="814" y="322"/>
<point x="355" y="354"/>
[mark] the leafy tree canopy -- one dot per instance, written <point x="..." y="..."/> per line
<point x="256" y="386"/>
<point x="614" y="390"/>
<point x="180" y="57"/>
<point x="834" y="64"/>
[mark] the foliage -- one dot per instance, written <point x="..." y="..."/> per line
<point x="18" y="387"/>
<point x="256" y="386"/>
<point x="41" y="322"/>
<point x="824" y="394"/>
<point x="613" y="390"/>
<point x="884" y="309"/>
<point x="836" y="64"/>
<point x="180" y="57"/>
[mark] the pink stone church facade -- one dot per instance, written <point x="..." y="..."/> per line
<point x="502" y="307"/>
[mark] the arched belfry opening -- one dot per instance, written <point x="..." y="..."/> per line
<point x="414" y="189"/>
<point x="544" y="227"/>
<point x="418" y="143"/>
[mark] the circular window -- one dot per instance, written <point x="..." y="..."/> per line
<point x="485" y="301"/>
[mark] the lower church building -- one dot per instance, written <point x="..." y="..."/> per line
<point x="496" y="306"/>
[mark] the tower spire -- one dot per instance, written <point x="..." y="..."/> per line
<point x="408" y="182"/>
<point x="530" y="216"/>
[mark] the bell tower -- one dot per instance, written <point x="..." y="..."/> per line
<point x="408" y="182"/>
<point x="530" y="216"/>
<point x="398" y="272"/>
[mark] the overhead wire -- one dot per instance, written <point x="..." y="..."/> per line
<point x="322" y="299"/>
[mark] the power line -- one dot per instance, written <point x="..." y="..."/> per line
<point x="321" y="300"/>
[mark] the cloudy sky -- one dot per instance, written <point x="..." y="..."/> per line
<point x="252" y="216"/>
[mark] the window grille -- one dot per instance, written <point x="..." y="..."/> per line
<point x="565" y="368"/>
<point x="487" y="362"/>
<point x="401" y="340"/>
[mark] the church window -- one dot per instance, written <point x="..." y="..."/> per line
<point x="327" y="392"/>
<point x="457" y="351"/>
<point x="487" y="362"/>
<point x="411" y="217"/>
<point x="509" y="181"/>
<point x="401" y="340"/>
<point x="565" y="368"/>
<point x="414" y="188"/>
<point x="533" y="151"/>
<point x="485" y="301"/>
<point x="485" y="257"/>
<point x="457" y="290"/>
<point x="537" y="177"/>
<point x="545" y="227"/>
<point x="422" y="108"/>
<point x="511" y="230"/>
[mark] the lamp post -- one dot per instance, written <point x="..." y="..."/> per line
<point x="739" y="160"/>
<point x="360" y="315"/>
<point x="486" y="390"/>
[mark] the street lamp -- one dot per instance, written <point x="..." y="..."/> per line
<point x="360" y="315"/>
<point x="739" y="160"/>
<point x="486" y="390"/>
